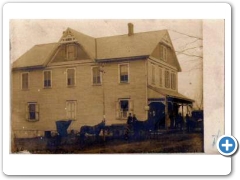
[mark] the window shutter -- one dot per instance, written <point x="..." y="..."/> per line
<point x="68" y="113"/>
<point x="27" y="112"/>
<point x="161" y="52"/>
<point x="37" y="111"/>
<point x="131" y="107"/>
<point x="117" y="109"/>
<point x="75" y="51"/>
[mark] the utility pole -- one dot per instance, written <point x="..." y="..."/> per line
<point x="103" y="95"/>
<point x="103" y="92"/>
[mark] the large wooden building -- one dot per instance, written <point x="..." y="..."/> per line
<point x="87" y="79"/>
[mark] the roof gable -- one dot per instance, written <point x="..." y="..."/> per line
<point x="38" y="55"/>
<point x="138" y="44"/>
<point x="171" y="57"/>
<point x="87" y="42"/>
<point x="114" y="47"/>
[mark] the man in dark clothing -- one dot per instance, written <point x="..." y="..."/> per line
<point x="129" y="119"/>
<point x="129" y="125"/>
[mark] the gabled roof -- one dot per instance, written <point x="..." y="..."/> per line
<point x="38" y="55"/>
<point x="87" y="42"/>
<point x="113" y="47"/>
<point x="139" y="44"/>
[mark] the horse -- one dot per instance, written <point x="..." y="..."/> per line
<point x="94" y="130"/>
<point x="139" y="126"/>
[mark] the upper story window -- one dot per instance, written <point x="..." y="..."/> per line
<point x="25" y="81"/>
<point x="163" y="52"/>
<point x="96" y="75"/>
<point x="32" y="112"/>
<point x="71" y="52"/>
<point x="47" y="76"/>
<point x="124" y="74"/>
<point x="173" y="81"/>
<point x="160" y="77"/>
<point x="153" y="74"/>
<point x="167" y="79"/>
<point x="71" y="80"/>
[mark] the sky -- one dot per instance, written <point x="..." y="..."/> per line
<point x="186" y="36"/>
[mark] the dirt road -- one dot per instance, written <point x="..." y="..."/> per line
<point x="180" y="142"/>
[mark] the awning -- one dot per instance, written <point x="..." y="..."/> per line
<point x="173" y="94"/>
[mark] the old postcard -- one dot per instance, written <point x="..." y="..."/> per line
<point x="131" y="88"/>
<point x="135" y="87"/>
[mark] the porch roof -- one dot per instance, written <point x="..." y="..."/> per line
<point x="175" y="95"/>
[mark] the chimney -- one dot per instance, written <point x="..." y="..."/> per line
<point x="130" y="29"/>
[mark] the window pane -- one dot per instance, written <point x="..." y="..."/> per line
<point x="173" y="81"/>
<point x="167" y="78"/>
<point x="25" y="81"/>
<point x="163" y="52"/>
<point x="124" y="106"/>
<point x="71" y="77"/>
<point x="123" y="73"/>
<point x="71" y="109"/>
<point x="47" y="79"/>
<point x="160" y="77"/>
<point x="96" y="75"/>
<point x="32" y="111"/>
<point x="153" y="74"/>
<point x="70" y="51"/>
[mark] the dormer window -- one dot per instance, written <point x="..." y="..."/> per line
<point x="71" y="52"/>
<point x="163" y="52"/>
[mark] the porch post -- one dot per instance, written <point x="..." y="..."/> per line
<point x="182" y="109"/>
<point x="166" y="114"/>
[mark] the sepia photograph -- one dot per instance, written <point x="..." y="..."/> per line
<point x="106" y="86"/>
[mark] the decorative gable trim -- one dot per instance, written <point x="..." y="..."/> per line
<point x="68" y="37"/>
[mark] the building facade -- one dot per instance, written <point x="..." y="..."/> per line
<point x="86" y="79"/>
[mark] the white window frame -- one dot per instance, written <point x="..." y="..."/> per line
<point x="75" y="77"/>
<point x="93" y="74"/>
<point x="22" y="81"/>
<point x="36" y="112"/>
<point x="46" y="87"/>
<point x="75" y="110"/>
<point x="119" y="73"/>
<point x="119" y="112"/>
<point x="163" y="52"/>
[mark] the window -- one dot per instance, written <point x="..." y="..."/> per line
<point x="167" y="79"/>
<point x="71" y="77"/>
<point x="96" y="75"/>
<point x="47" y="79"/>
<point x="32" y="112"/>
<point x="71" y="109"/>
<point x="163" y="52"/>
<point x="123" y="108"/>
<point x="153" y="74"/>
<point x="160" y="77"/>
<point x="124" y="73"/>
<point x="173" y="81"/>
<point x="25" y="81"/>
<point x="71" y="52"/>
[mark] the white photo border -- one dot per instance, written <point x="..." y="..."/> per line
<point x="160" y="164"/>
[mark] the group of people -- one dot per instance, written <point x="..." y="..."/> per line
<point x="176" y="121"/>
